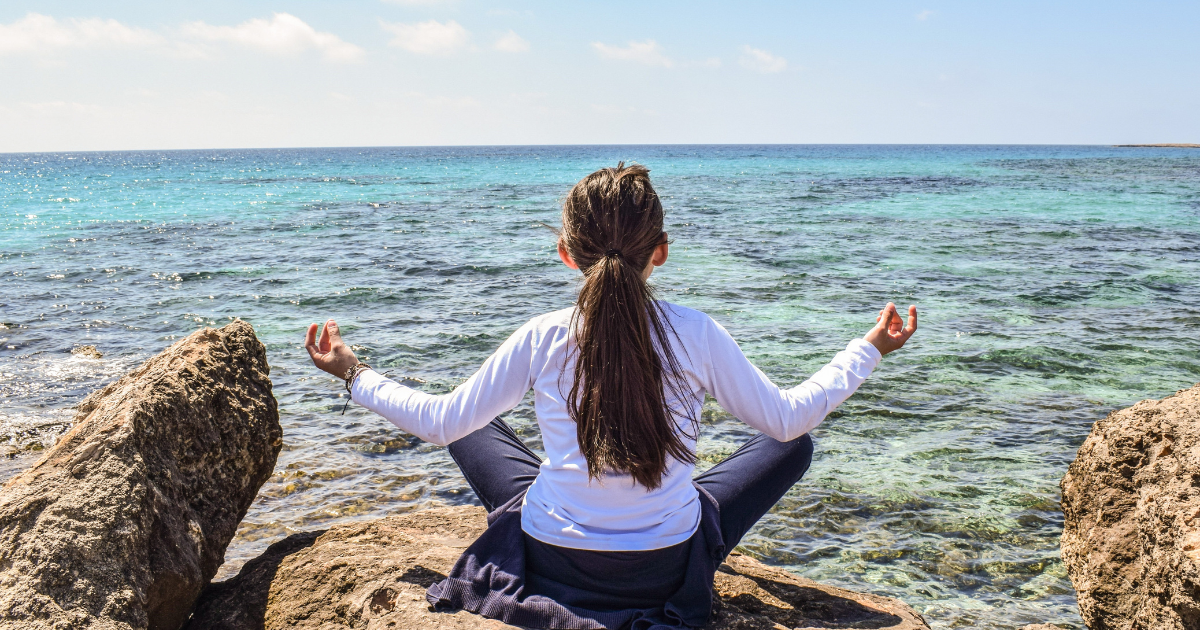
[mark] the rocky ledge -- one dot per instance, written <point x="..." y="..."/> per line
<point x="126" y="519"/>
<point x="1131" y="507"/>
<point x="374" y="575"/>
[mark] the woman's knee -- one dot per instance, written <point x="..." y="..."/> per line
<point x="801" y="446"/>
<point x="801" y="452"/>
<point x="804" y="445"/>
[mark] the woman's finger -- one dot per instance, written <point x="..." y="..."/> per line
<point x="323" y="341"/>
<point x="310" y="341"/>
<point x="893" y="318"/>
<point x="911" y="327"/>
<point x="334" y="335"/>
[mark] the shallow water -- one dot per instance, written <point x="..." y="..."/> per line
<point x="1055" y="284"/>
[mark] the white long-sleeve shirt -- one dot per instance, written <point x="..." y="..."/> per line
<point x="615" y="513"/>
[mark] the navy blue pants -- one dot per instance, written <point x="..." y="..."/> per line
<point x="499" y="466"/>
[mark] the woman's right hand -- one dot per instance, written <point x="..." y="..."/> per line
<point x="890" y="332"/>
<point x="329" y="352"/>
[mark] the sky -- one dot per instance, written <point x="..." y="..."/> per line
<point x="78" y="76"/>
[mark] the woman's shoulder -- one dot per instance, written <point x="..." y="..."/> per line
<point x="550" y="322"/>
<point x="687" y="321"/>
<point x="683" y="313"/>
<point x="561" y="317"/>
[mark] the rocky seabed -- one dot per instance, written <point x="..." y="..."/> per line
<point x="124" y="522"/>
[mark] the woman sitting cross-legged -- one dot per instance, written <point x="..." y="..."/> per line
<point x="611" y="530"/>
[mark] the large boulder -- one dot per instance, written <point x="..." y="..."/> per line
<point x="374" y="575"/>
<point x="1131" y="507"/>
<point x="126" y="519"/>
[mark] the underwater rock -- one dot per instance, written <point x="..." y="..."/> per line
<point x="374" y="575"/>
<point x="1131" y="506"/>
<point x="126" y="519"/>
<point x="88" y="352"/>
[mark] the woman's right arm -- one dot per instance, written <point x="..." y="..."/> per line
<point x="497" y="387"/>
<point x="786" y="414"/>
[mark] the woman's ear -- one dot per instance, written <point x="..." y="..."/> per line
<point x="564" y="256"/>
<point x="659" y="257"/>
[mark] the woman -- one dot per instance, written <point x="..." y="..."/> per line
<point x="610" y="530"/>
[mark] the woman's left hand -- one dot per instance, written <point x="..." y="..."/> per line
<point x="890" y="332"/>
<point x="329" y="353"/>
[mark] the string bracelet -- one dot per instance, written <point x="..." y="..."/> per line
<point x="353" y="373"/>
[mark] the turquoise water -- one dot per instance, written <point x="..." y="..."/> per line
<point x="1055" y="284"/>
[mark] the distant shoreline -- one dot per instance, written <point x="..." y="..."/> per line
<point x="1173" y="146"/>
<point x="9" y="154"/>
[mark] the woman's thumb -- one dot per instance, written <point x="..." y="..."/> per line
<point x="885" y="317"/>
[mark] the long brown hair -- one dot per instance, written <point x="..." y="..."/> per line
<point x="624" y="363"/>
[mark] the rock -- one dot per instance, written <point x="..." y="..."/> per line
<point x="754" y="595"/>
<point x="88" y="352"/>
<point x="1131" y="507"/>
<point x="126" y="519"/>
<point x="1042" y="626"/>
<point x="374" y="575"/>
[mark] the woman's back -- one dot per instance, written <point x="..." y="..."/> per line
<point x="566" y="507"/>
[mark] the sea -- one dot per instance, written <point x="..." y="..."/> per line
<point x="1055" y="284"/>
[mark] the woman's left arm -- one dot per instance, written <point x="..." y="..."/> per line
<point x="497" y="387"/>
<point x="743" y="390"/>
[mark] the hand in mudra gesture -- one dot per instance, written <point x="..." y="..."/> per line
<point x="890" y="332"/>
<point x="329" y="352"/>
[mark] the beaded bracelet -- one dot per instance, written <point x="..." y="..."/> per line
<point x="353" y="373"/>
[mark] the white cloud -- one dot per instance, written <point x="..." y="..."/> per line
<point x="762" y="61"/>
<point x="925" y="15"/>
<point x="36" y="33"/>
<point x="511" y="42"/>
<point x="283" y="34"/>
<point x="61" y="107"/>
<point x="428" y="38"/>
<point x="648" y="53"/>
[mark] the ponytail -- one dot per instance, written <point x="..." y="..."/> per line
<point x="624" y="363"/>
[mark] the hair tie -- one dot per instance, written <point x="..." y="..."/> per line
<point x="612" y="252"/>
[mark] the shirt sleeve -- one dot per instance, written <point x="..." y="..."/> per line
<point x="497" y="387"/>
<point x="784" y="414"/>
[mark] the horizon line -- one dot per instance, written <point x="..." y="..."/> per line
<point x="615" y="144"/>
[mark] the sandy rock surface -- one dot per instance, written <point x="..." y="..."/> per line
<point x="374" y="574"/>
<point x="1131" y="502"/>
<point x="126" y="519"/>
